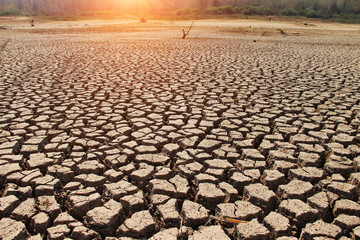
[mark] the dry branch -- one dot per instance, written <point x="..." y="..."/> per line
<point x="282" y="32"/>
<point x="185" y="33"/>
<point x="227" y="219"/>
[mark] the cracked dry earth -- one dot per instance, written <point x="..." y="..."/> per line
<point x="144" y="135"/>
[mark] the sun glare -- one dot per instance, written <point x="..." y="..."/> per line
<point x="142" y="6"/>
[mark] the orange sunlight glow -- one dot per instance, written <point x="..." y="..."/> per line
<point x="144" y="6"/>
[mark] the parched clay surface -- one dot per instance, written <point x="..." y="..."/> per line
<point x="134" y="133"/>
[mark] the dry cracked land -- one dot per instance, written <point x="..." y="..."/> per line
<point x="142" y="135"/>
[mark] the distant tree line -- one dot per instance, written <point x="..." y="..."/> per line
<point x="309" y="8"/>
<point x="52" y="7"/>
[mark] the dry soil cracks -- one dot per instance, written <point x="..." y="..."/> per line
<point x="145" y="135"/>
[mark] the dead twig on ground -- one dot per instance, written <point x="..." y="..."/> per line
<point x="197" y="35"/>
<point x="222" y="219"/>
<point x="227" y="219"/>
<point x="282" y="32"/>
<point x="185" y="33"/>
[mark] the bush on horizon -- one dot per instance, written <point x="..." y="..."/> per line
<point x="289" y="12"/>
<point x="11" y="12"/>
<point x="186" y="11"/>
<point x="259" y="10"/>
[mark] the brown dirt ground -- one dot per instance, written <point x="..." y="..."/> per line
<point x="244" y="26"/>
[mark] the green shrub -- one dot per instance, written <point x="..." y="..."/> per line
<point x="246" y="11"/>
<point x="249" y="11"/>
<point x="227" y="9"/>
<point x="222" y="10"/>
<point x="346" y="18"/>
<point x="310" y="13"/>
<point x="212" y="11"/>
<point x="289" y="12"/>
<point x="186" y="11"/>
<point x="10" y="12"/>
<point x="262" y="11"/>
